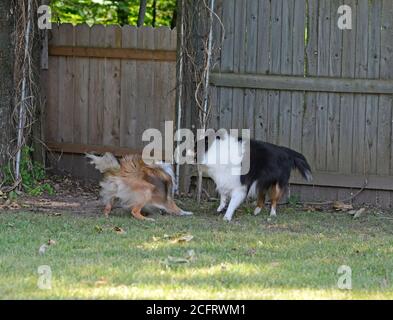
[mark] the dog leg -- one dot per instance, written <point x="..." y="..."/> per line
<point x="237" y="197"/>
<point x="107" y="209"/>
<point x="172" y="208"/>
<point x="260" y="203"/>
<point x="223" y="202"/>
<point x="275" y="196"/>
<point x="136" y="212"/>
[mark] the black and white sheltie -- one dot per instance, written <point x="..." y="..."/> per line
<point x="269" y="170"/>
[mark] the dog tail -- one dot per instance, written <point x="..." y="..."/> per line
<point x="300" y="163"/>
<point x="168" y="169"/>
<point x="106" y="163"/>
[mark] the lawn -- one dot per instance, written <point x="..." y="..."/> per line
<point x="293" y="256"/>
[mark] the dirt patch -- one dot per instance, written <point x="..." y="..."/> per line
<point x="71" y="196"/>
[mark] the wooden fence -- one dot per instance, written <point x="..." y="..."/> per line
<point x="104" y="86"/>
<point x="287" y="72"/>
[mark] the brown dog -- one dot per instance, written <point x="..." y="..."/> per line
<point x="136" y="184"/>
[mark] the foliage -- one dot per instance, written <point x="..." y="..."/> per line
<point x="32" y="174"/>
<point x="158" y="13"/>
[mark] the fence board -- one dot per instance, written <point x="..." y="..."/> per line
<point x="322" y="99"/>
<point x="275" y="68"/>
<point x="261" y="99"/>
<point x="346" y="112"/>
<point x="358" y="160"/>
<point x="297" y="107"/>
<point x="96" y="88"/>
<point x="284" y="118"/>
<point x="373" y="64"/>
<point x="52" y="109"/>
<point x="335" y="56"/>
<point x="128" y="106"/>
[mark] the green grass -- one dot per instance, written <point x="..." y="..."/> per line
<point x="295" y="256"/>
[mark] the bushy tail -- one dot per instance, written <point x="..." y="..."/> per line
<point x="168" y="168"/>
<point x="300" y="163"/>
<point x="105" y="163"/>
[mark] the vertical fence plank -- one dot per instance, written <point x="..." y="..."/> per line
<point x="128" y="106"/>
<point x="275" y="68"/>
<point x="385" y="119"/>
<point x="52" y="106"/>
<point x="251" y="63"/>
<point x="227" y="56"/>
<point x="308" y="140"/>
<point x="81" y="95"/>
<point x="359" y="138"/>
<point x="239" y="63"/>
<point x="263" y="54"/>
<point x="145" y="84"/>
<point x="346" y="112"/>
<point x="218" y="33"/>
<point x="298" y="69"/>
<point x="81" y="102"/>
<point x="66" y="86"/>
<point x="66" y="94"/>
<point x="112" y="89"/>
<point x="287" y="38"/>
<point x="322" y="98"/>
<point x="373" y="64"/>
<point x="96" y="88"/>
<point x="333" y="113"/>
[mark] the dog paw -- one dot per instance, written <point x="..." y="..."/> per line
<point x="220" y="208"/>
<point x="228" y="219"/>
<point x="186" y="213"/>
<point x="257" y="211"/>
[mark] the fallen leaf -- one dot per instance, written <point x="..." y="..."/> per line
<point x="119" y="230"/>
<point x="341" y="206"/>
<point x="252" y="252"/>
<point x="359" y="213"/>
<point x="101" y="282"/>
<point x="183" y="238"/>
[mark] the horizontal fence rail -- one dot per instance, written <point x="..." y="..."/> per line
<point x="336" y="85"/>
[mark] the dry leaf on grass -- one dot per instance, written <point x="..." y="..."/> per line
<point x="101" y="282"/>
<point x="183" y="238"/>
<point x="341" y="206"/>
<point x="119" y="230"/>
<point x="170" y="260"/>
<point x="176" y="238"/>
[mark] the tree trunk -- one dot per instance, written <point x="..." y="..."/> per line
<point x="6" y="83"/>
<point x="142" y="13"/>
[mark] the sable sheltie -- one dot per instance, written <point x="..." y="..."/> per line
<point x="269" y="169"/>
<point x="135" y="184"/>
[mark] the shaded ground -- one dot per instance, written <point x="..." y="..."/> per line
<point x="295" y="256"/>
